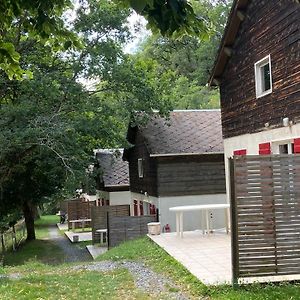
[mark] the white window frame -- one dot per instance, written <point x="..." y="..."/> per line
<point x="258" y="78"/>
<point x="140" y="168"/>
<point x="278" y="143"/>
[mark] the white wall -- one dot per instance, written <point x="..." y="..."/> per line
<point x="251" y="142"/>
<point x="191" y="220"/>
<point x="120" y="198"/>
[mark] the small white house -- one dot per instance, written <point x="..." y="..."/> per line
<point x="112" y="178"/>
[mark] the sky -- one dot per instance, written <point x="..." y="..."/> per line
<point x="137" y="25"/>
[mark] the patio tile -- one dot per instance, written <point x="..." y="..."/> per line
<point x="205" y="256"/>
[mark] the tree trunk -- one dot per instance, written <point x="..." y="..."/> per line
<point x="28" y="211"/>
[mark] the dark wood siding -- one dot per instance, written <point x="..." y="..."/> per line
<point x="149" y="181"/>
<point x="270" y="27"/>
<point x="191" y="175"/>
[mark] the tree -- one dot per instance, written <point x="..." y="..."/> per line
<point x="171" y="17"/>
<point x="51" y="123"/>
<point x="188" y="60"/>
<point x="43" y="20"/>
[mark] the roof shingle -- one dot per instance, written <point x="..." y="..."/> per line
<point x="115" y="170"/>
<point x="196" y="131"/>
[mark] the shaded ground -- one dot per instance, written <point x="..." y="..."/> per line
<point x="71" y="252"/>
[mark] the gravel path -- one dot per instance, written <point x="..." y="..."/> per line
<point x="145" y="279"/>
<point x="72" y="253"/>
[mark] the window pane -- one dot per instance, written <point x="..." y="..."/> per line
<point x="266" y="78"/>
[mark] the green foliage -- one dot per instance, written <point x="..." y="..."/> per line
<point x="37" y="19"/>
<point x="170" y="18"/>
<point x="183" y="65"/>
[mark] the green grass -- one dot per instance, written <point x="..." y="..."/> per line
<point x="64" y="283"/>
<point x="41" y="249"/>
<point x="42" y="224"/>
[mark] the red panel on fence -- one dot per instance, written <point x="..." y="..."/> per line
<point x="141" y="208"/>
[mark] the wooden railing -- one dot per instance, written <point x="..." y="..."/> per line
<point x="10" y="239"/>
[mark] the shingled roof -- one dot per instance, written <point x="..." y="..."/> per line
<point x="115" y="170"/>
<point x="185" y="132"/>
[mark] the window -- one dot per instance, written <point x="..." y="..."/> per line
<point x="263" y="77"/>
<point x="286" y="148"/>
<point x="140" y="168"/>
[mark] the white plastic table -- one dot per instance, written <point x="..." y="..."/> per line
<point x="82" y="221"/>
<point x="204" y="208"/>
<point x="102" y="232"/>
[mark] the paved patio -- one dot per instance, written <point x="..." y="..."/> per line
<point x="83" y="236"/>
<point x="62" y="227"/>
<point x="208" y="257"/>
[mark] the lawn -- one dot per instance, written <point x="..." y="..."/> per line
<point x="41" y="250"/>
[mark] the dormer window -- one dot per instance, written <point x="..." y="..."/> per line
<point x="140" y="168"/>
<point x="263" y="77"/>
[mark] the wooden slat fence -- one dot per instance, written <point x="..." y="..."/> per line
<point x="78" y="209"/>
<point x="121" y="229"/>
<point x="99" y="216"/>
<point x="12" y="238"/>
<point x="265" y="203"/>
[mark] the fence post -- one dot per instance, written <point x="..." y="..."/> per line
<point x="107" y="232"/>
<point x="234" y="229"/>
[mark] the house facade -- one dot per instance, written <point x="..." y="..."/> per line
<point x="177" y="161"/>
<point x="112" y="178"/>
<point x="258" y="72"/>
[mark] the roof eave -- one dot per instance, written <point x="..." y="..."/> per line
<point x="236" y="17"/>
<point x="185" y="154"/>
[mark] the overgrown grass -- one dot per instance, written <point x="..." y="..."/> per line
<point x="42" y="225"/>
<point x="66" y="283"/>
<point x="155" y="257"/>
<point x="41" y="249"/>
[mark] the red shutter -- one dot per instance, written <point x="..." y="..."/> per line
<point x="297" y="145"/>
<point x="265" y="148"/>
<point x="240" y="152"/>
<point x="135" y="208"/>
<point x="141" y="208"/>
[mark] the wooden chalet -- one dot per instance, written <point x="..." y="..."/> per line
<point x="177" y="161"/>
<point x="112" y="178"/>
<point x="258" y="72"/>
